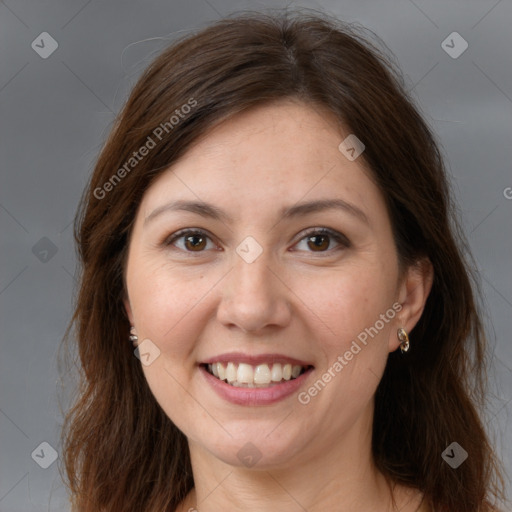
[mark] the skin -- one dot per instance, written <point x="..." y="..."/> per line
<point x="295" y="300"/>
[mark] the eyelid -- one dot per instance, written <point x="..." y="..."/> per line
<point x="340" y="238"/>
<point x="170" y="239"/>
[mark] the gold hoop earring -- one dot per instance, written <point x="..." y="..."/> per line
<point x="404" y="339"/>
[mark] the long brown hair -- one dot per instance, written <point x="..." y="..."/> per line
<point x="121" y="451"/>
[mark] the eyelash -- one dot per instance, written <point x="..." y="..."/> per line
<point x="337" y="237"/>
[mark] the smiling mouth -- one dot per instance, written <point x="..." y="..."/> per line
<point x="265" y="375"/>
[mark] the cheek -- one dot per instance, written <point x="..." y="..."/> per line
<point x="362" y="315"/>
<point x="351" y="301"/>
<point x="168" y="305"/>
<point x="164" y="300"/>
<point x="357" y="308"/>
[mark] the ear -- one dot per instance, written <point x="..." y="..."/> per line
<point x="128" y="309"/>
<point x="413" y="292"/>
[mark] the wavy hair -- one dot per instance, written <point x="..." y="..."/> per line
<point x="121" y="452"/>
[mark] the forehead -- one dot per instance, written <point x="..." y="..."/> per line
<point x="273" y="154"/>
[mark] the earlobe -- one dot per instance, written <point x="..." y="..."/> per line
<point x="414" y="291"/>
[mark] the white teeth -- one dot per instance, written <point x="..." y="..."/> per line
<point x="221" y="371"/>
<point x="277" y="372"/>
<point x="245" y="373"/>
<point x="231" y="372"/>
<point x="260" y="376"/>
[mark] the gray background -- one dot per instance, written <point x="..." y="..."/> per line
<point x="56" y="112"/>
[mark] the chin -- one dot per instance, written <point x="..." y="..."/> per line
<point x="255" y="450"/>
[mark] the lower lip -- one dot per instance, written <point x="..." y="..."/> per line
<point x="255" y="396"/>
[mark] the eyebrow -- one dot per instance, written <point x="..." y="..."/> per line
<point x="208" y="210"/>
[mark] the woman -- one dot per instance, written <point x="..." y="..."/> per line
<point x="269" y="223"/>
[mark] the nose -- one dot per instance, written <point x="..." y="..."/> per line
<point x="254" y="297"/>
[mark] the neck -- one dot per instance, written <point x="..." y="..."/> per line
<point x="312" y="488"/>
<point x="339" y="477"/>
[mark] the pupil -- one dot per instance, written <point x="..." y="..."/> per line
<point x="193" y="241"/>
<point x="319" y="241"/>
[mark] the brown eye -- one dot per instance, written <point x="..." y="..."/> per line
<point x="318" y="242"/>
<point x="189" y="240"/>
<point x="323" y="240"/>
<point x="195" y="242"/>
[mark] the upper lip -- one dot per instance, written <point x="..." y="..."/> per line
<point x="254" y="360"/>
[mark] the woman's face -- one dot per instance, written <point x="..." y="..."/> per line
<point x="257" y="287"/>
